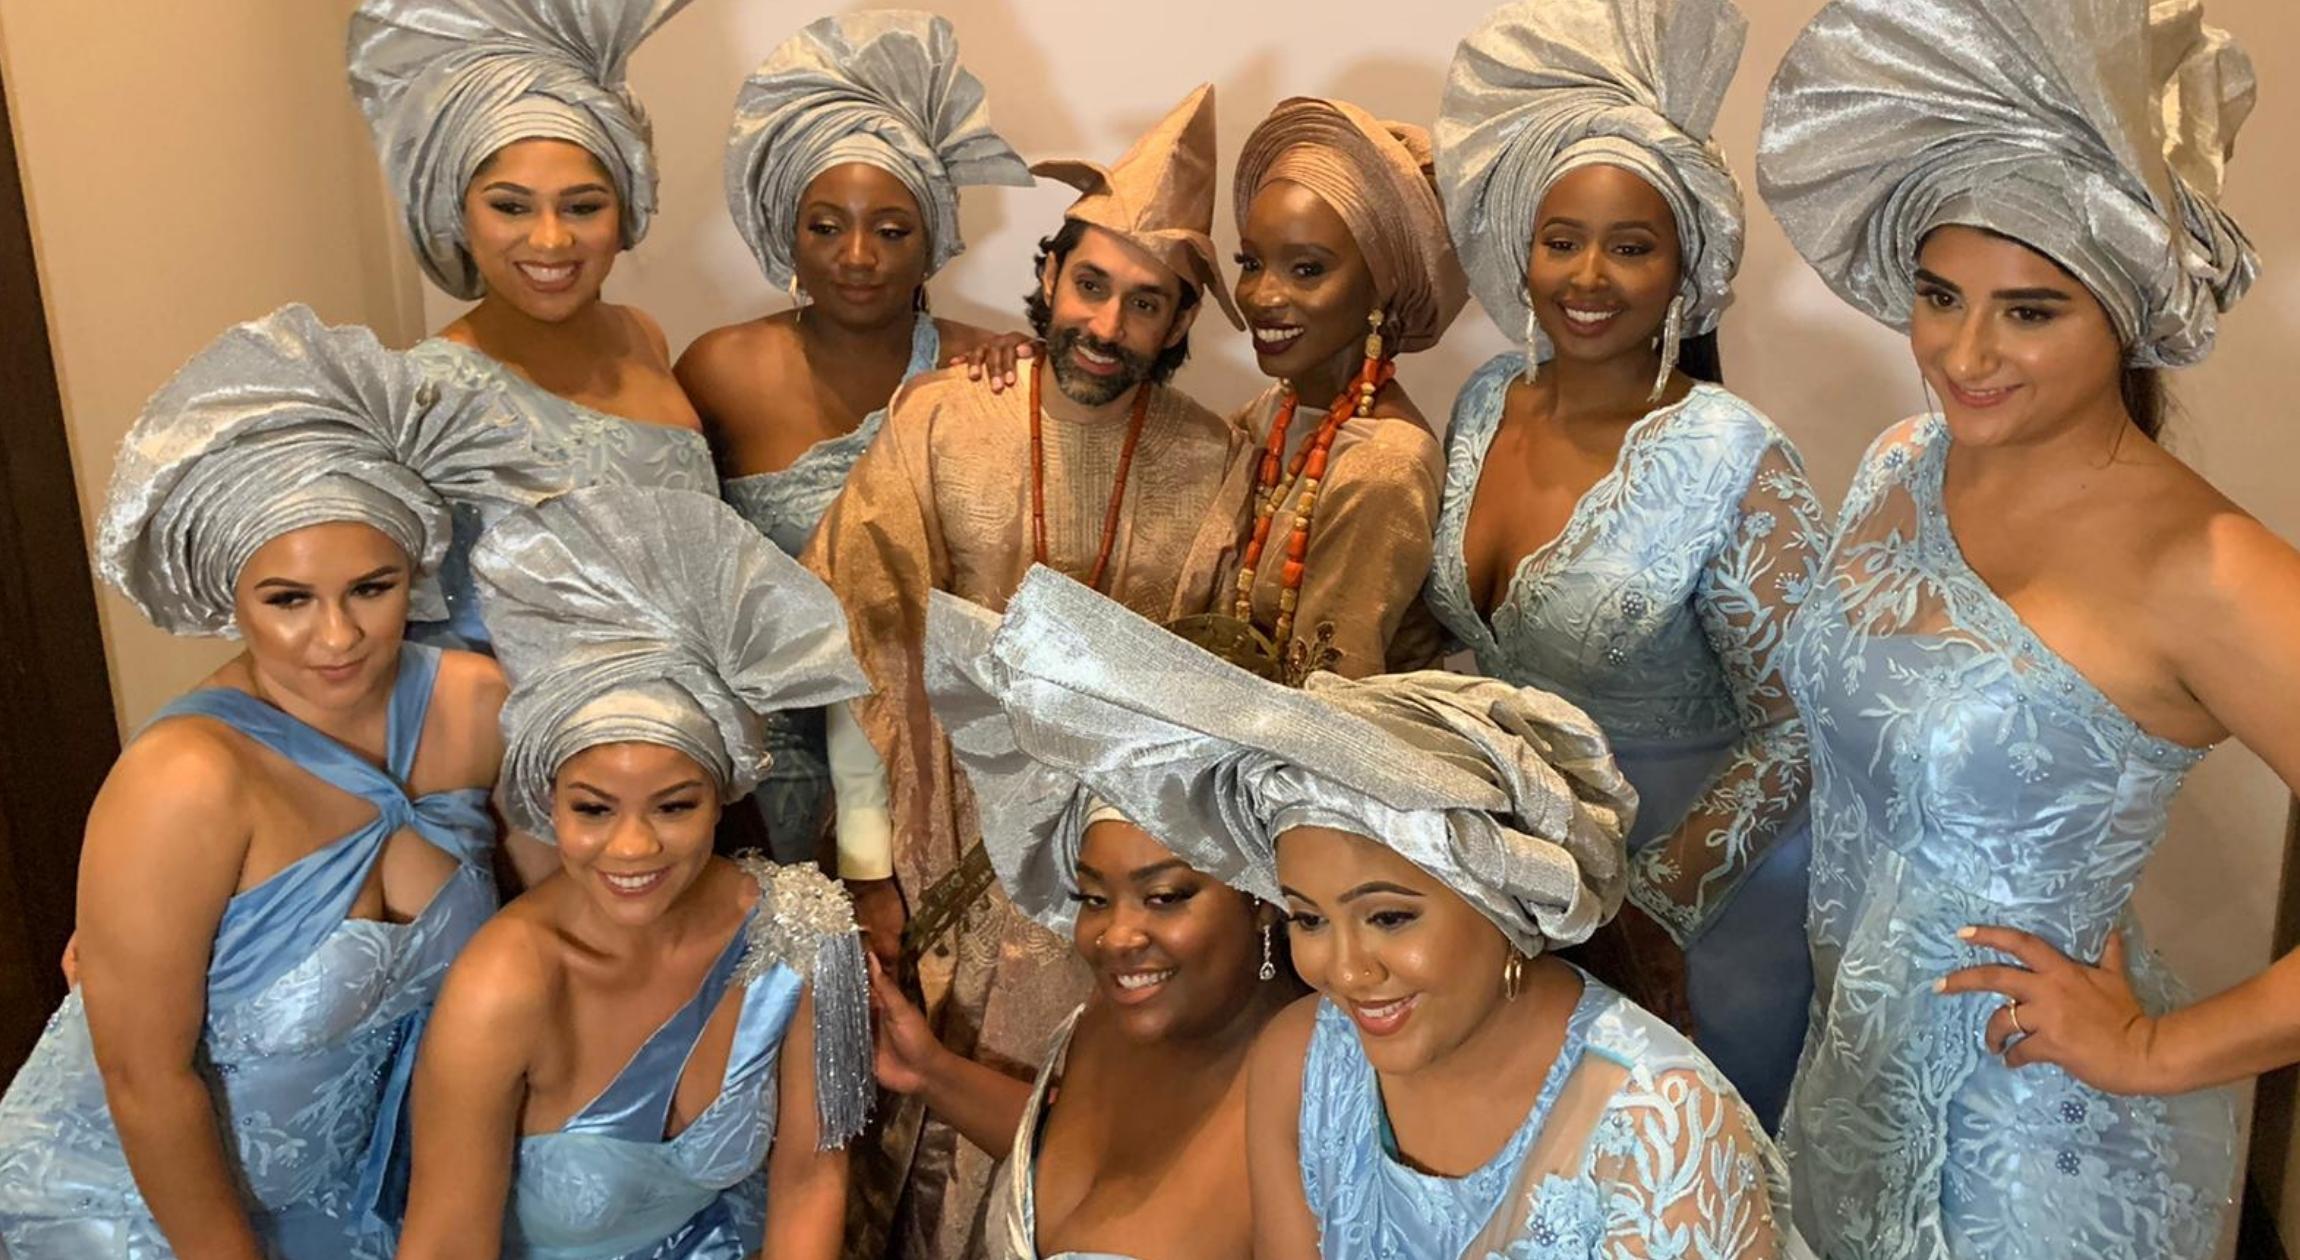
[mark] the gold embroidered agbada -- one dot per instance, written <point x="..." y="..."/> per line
<point x="942" y="501"/>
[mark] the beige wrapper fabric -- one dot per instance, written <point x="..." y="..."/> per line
<point x="1371" y="540"/>
<point x="941" y="501"/>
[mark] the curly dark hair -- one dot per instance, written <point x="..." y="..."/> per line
<point x="1056" y="249"/>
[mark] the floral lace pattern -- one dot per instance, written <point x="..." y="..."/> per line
<point x="310" y="1025"/>
<point x="1660" y="609"/>
<point x="1675" y="1166"/>
<point x="1964" y="773"/>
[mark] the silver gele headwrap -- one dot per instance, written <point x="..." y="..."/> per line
<point x="1507" y="795"/>
<point x="882" y="87"/>
<point x="2093" y="131"/>
<point x="446" y="83"/>
<point x="1033" y="813"/>
<point x="1543" y="87"/>
<point x="628" y="614"/>
<point x="284" y="423"/>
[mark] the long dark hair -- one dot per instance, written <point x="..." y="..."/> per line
<point x="1698" y="358"/>
<point x="2144" y="399"/>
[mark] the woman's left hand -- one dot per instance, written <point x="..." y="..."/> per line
<point x="2085" y="1019"/>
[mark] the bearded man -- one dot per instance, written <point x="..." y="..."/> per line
<point x="1098" y="468"/>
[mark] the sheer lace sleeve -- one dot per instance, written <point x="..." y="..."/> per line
<point x="1753" y="583"/>
<point x="1681" y="1170"/>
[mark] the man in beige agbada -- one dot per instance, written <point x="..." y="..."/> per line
<point x="1096" y="468"/>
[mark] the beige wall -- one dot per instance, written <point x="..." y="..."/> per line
<point x="187" y="166"/>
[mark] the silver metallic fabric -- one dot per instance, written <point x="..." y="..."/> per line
<point x="2093" y="131"/>
<point x="882" y="87"/>
<point x="446" y="83"/>
<point x="626" y="614"/>
<point x="284" y="423"/>
<point x="1033" y="814"/>
<point x="1545" y="87"/>
<point x="1375" y="175"/>
<point x="1507" y="795"/>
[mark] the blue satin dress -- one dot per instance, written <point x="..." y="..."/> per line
<point x="1669" y="1163"/>
<point x="786" y="505"/>
<point x="573" y="444"/>
<point x="607" y="1185"/>
<point x="1660" y="611"/>
<point x="312" y="1023"/>
<point x="1964" y="773"/>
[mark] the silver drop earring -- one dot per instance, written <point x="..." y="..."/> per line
<point x="1672" y="332"/>
<point x="1269" y="969"/>
<point x="1532" y="343"/>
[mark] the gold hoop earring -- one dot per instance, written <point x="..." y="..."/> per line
<point x="1513" y="976"/>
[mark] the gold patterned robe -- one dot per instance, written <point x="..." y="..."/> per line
<point x="942" y="501"/>
<point x="1371" y="540"/>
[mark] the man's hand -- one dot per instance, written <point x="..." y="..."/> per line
<point x="880" y="913"/>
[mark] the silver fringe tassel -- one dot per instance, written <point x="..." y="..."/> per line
<point x="844" y="1086"/>
<point x="807" y="923"/>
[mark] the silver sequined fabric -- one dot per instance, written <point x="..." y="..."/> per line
<point x="626" y="614"/>
<point x="1508" y="795"/>
<point x="806" y="922"/>
<point x="1544" y="87"/>
<point x="2093" y="131"/>
<point x="284" y="423"/>
<point x="446" y="83"/>
<point x="882" y="87"/>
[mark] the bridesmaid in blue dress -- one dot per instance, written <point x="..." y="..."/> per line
<point x="849" y="146"/>
<point x="656" y="1052"/>
<point x="1449" y="1091"/>
<point x="2032" y="623"/>
<point x="286" y="858"/>
<point x="523" y="166"/>
<point x="1613" y="529"/>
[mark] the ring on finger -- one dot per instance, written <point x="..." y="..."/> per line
<point x="2013" y="1009"/>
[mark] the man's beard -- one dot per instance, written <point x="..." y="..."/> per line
<point x="1084" y="388"/>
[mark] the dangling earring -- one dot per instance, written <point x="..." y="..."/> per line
<point x="798" y="301"/>
<point x="918" y="299"/>
<point x="1374" y="320"/>
<point x="1269" y="969"/>
<point x="1672" y="332"/>
<point x="1513" y="976"/>
<point x="1532" y="342"/>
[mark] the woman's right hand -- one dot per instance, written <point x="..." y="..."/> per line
<point x="998" y="359"/>
<point x="905" y="1046"/>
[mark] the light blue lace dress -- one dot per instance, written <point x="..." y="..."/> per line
<point x="582" y="446"/>
<point x="1660" y="610"/>
<point x="786" y="505"/>
<point x="1964" y="774"/>
<point x="1662" y="1160"/>
<point x="607" y="1185"/>
<point x="311" y="1024"/>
